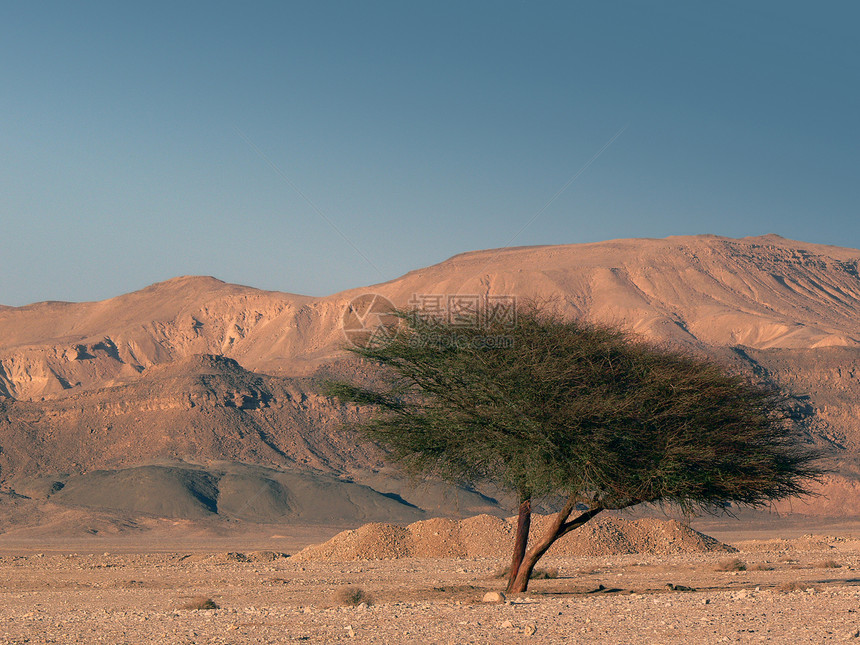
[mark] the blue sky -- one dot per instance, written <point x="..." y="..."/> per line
<point x="141" y="141"/>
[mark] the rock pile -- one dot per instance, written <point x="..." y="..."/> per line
<point x="374" y="541"/>
<point x="485" y="536"/>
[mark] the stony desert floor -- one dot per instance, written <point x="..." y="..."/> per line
<point x="800" y="590"/>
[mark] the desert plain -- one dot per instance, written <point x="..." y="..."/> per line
<point x="800" y="589"/>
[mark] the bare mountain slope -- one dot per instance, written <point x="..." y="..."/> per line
<point x="49" y="348"/>
<point x="200" y="439"/>
<point x="760" y="292"/>
<point x="195" y="370"/>
<point x="229" y="491"/>
<point x="197" y="409"/>
<point x="763" y="292"/>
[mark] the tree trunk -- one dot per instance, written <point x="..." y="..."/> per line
<point x="524" y="520"/>
<point x="559" y="527"/>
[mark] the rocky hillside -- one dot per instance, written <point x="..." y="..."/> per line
<point x="194" y="370"/>
<point x="199" y="408"/>
<point x="762" y="293"/>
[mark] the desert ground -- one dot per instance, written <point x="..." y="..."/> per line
<point x="804" y="588"/>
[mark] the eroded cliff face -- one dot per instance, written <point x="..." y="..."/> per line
<point x="54" y="349"/>
<point x="200" y="409"/>
<point x="828" y="380"/>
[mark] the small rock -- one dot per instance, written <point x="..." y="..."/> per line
<point x="530" y="630"/>
<point x="493" y="596"/>
<point x="506" y="625"/>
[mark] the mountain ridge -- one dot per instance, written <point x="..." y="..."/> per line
<point x="763" y="292"/>
<point x="197" y="368"/>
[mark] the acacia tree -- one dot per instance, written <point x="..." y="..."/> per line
<point x="561" y="407"/>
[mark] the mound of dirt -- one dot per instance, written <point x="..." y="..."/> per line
<point x="493" y="537"/>
<point x="374" y="541"/>
<point x="437" y="538"/>
<point x="617" y="536"/>
<point x="485" y="536"/>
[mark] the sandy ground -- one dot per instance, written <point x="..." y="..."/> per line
<point x="793" y="591"/>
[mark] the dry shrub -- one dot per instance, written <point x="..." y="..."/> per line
<point x="200" y="602"/>
<point x="827" y="564"/>
<point x="537" y="574"/>
<point x="544" y="574"/>
<point x="761" y="566"/>
<point x="732" y="564"/>
<point x="353" y="596"/>
<point x="786" y="558"/>
<point x="788" y="587"/>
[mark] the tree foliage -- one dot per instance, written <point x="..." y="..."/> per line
<point x="553" y="406"/>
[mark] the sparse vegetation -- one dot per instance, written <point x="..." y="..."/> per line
<point x="826" y="564"/>
<point x="352" y="596"/>
<point x="732" y="564"/>
<point x="537" y="574"/>
<point x="761" y="566"/>
<point x="200" y="602"/>
<point x="789" y="587"/>
<point x="544" y="574"/>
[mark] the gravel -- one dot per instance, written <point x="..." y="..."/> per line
<point x="626" y="598"/>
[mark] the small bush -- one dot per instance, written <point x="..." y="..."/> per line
<point x="761" y="566"/>
<point x="544" y="574"/>
<point x="827" y="564"/>
<point x="353" y="596"/>
<point x="537" y="574"/>
<point x="733" y="564"/>
<point x="200" y="602"/>
<point x="788" y="587"/>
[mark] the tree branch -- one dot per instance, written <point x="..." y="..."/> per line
<point x="567" y="527"/>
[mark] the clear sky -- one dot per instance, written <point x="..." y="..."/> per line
<point x="316" y="146"/>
